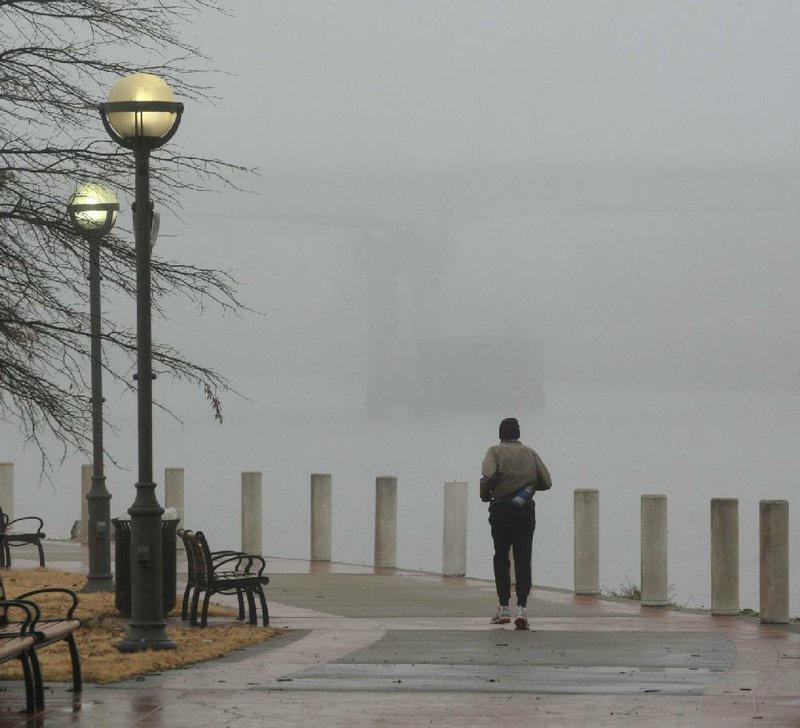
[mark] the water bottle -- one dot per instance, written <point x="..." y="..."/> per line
<point x="523" y="496"/>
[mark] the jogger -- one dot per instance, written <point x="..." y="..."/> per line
<point x="510" y="474"/>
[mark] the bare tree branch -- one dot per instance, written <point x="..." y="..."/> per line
<point x="58" y="59"/>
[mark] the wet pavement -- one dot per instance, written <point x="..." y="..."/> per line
<point x="377" y="647"/>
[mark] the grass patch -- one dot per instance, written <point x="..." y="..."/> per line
<point x="103" y="628"/>
<point x="633" y="592"/>
<point x="628" y="590"/>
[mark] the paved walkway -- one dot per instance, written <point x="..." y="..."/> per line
<point x="367" y="647"/>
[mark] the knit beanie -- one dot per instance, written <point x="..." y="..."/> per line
<point x="509" y="429"/>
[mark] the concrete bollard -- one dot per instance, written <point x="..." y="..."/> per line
<point x="321" y="517"/>
<point x="7" y="489"/>
<point x="386" y="522"/>
<point x="774" y="561"/>
<point x="173" y="496"/>
<point x="654" y="551"/>
<point x="454" y="537"/>
<point x="86" y="485"/>
<point x="586" y="505"/>
<point x="251" y="513"/>
<point x="724" y="556"/>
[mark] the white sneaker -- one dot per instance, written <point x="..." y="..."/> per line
<point x="521" y="620"/>
<point x="503" y="616"/>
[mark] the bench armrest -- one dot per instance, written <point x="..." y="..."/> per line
<point x="22" y="626"/>
<point x="55" y="590"/>
<point x="215" y="555"/>
<point x="244" y="562"/>
<point x="253" y="560"/>
<point x="39" y="528"/>
<point x="223" y="558"/>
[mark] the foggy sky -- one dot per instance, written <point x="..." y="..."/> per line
<point x="635" y="162"/>
<point x="351" y="84"/>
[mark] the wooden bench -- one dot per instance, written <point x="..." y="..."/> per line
<point x="221" y="572"/>
<point x="17" y="643"/>
<point x="44" y="630"/>
<point x="12" y="535"/>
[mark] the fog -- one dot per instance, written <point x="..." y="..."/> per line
<point x="582" y="214"/>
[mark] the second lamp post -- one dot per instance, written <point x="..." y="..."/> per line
<point x="93" y="211"/>
<point x="141" y="114"/>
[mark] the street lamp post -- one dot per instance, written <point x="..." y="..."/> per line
<point x="141" y="114"/>
<point x="93" y="211"/>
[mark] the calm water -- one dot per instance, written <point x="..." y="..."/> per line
<point x="689" y="446"/>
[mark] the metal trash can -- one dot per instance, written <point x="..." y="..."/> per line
<point x="122" y="564"/>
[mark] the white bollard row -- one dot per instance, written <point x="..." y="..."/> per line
<point x="724" y="527"/>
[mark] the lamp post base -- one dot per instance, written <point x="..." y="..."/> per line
<point x="146" y="629"/>
<point x="142" y="637"/>
<point x="99" y="583"/>
<point x="99" y="578"/>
